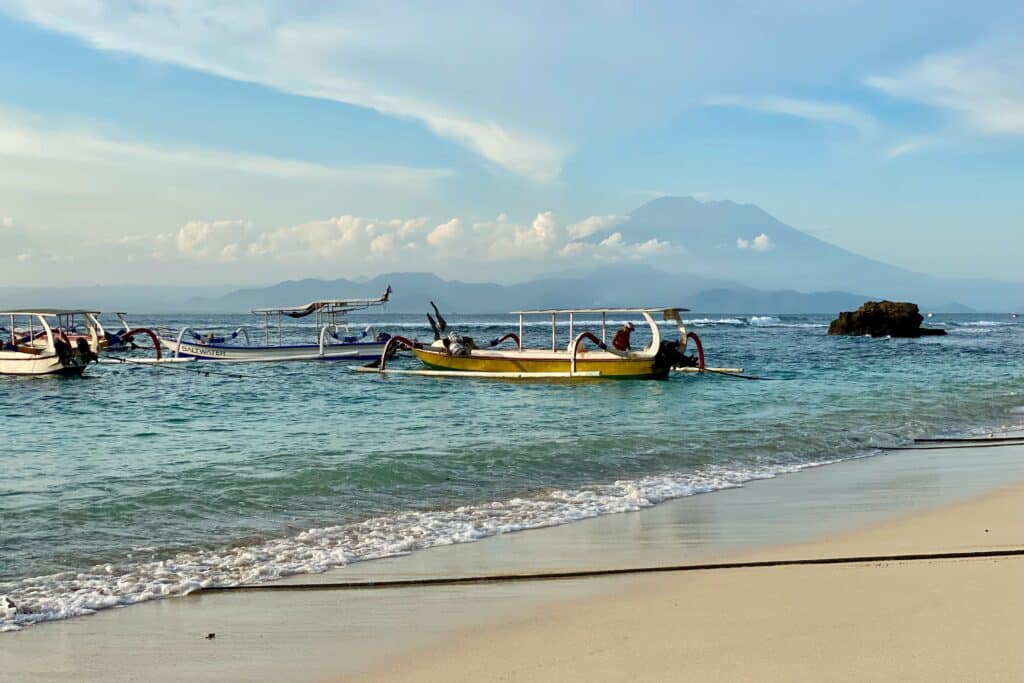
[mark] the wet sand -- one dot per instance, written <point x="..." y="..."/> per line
<point x="955" y="620"/>
<point x="762" y="624"/>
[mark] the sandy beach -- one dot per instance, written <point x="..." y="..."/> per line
<point x="941" y="620"/>
<point x="923" y="620"/>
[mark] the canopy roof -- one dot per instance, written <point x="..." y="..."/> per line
<point x="328" y="305"/>
<point x="50" y="312"/>
<point x="556" y="311"/>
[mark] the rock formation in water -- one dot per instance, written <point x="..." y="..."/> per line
<point x="882" y="319"/>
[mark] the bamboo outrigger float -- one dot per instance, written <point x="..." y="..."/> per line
<point x="456" y="356"/>
<point x="46" y="342"/>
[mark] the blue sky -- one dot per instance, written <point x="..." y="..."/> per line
<point x="245" y="142"/>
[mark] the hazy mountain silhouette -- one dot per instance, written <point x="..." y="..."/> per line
<point x="790" y="259"/>
<point x="616" y="285"/>
<point x="786" y="271"/>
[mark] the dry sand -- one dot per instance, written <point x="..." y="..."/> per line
<point x="946" y="620"/>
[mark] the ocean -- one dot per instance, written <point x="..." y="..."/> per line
<point x="137" y="483"/>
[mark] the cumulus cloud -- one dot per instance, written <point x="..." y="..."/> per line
<point x="353" y="241"/>
<point x="760" y="243"/>
<point x="593" y="225"/>
<point x="216" y="240"/>
<point x="344" y="236"/>
<point x="616" y="248"/>
<point x="540" y="234"/>
<point x="382" y="244"/>
<point x="445" y="234"/>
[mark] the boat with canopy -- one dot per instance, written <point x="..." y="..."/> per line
<point x="333" y="339"/>
<point x="587" y="355"/>
<point x="49" y="341"/>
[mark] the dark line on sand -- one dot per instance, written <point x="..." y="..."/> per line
<point x="970" y="439"/>
<point x="948" y="445"/>
<point x="595" y="573"/>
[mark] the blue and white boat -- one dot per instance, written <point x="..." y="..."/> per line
<point x="334" y="341"/>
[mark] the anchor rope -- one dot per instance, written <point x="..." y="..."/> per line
<point x="205" y="372"/>
<point x="620" y="571"/>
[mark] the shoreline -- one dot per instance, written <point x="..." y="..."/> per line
<point x="921" y="621"/>
<point x="321" y="635"/>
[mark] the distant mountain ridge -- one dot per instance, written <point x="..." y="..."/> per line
<point x="619" y="285"/>
<point x="717" y="263"/>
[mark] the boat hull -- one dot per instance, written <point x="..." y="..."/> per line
<point x="264" y="354"/>
<point x="30" y="365"/>
<point x="608" y="365"/>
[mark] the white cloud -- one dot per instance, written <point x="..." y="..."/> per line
<point x="29" y="137"/>
<point x="23" y="258"/>
<point x="540" y="235"/>
<point x="811" y="110"/>
<point x="7" y="221"/>
<point x="445" y="234"/>
<point x="350" y="242"/>
<point x="616" y="248"/>
<point x="594" y="224"/>
<point x="216" y="240"/>
<point x="981" y="84"/>
<point x="382" y="244"/>
<point x="322" y="51"/>
<point x="346" y="236"/>
<point x="909" y="146"/>
<point x="760" y="243"/>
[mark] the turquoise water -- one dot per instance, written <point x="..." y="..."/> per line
<point x="135" y="483"/>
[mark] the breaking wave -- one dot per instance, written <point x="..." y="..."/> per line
<point x="69" y="594"/>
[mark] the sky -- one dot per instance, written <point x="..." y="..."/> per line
<point x="201" y="142"/>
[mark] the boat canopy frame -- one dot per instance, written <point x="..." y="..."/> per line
<point x="668" y="313"/>
<point x="328" y="313"/>
<point x="63" y="319"/>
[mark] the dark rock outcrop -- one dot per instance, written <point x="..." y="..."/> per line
<point x="882" y="319"/>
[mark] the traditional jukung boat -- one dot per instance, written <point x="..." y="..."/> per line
<point x="452" y="354"/>
<point x="333" y="342"/>
<point x="48" y="341"/>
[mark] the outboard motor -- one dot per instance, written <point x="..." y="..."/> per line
<point x="670" y="356"/>
<point x="85" y="351"/>
<point x="63" y="350"/>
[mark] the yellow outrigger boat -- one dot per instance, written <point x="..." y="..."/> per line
<point x="454" y="355"/>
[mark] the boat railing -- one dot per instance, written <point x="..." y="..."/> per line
<point x="244" y="331"/>
<point x="181" y="336"/>
<point x="577" y="343"/>
<point x="325" y="333"/>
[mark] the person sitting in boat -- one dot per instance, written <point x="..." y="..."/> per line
<point x="458" y="345"/>
<point x="621" y="340"/>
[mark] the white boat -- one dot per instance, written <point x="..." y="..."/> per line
<point x="333" y="340"/>
<point x="48" y="341"/>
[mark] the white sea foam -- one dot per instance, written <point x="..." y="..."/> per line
<point x="772" y="321"/>
<point x="69" y="594"/>
<point x="987" y="323"/>
<point x="715" y="321"/>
